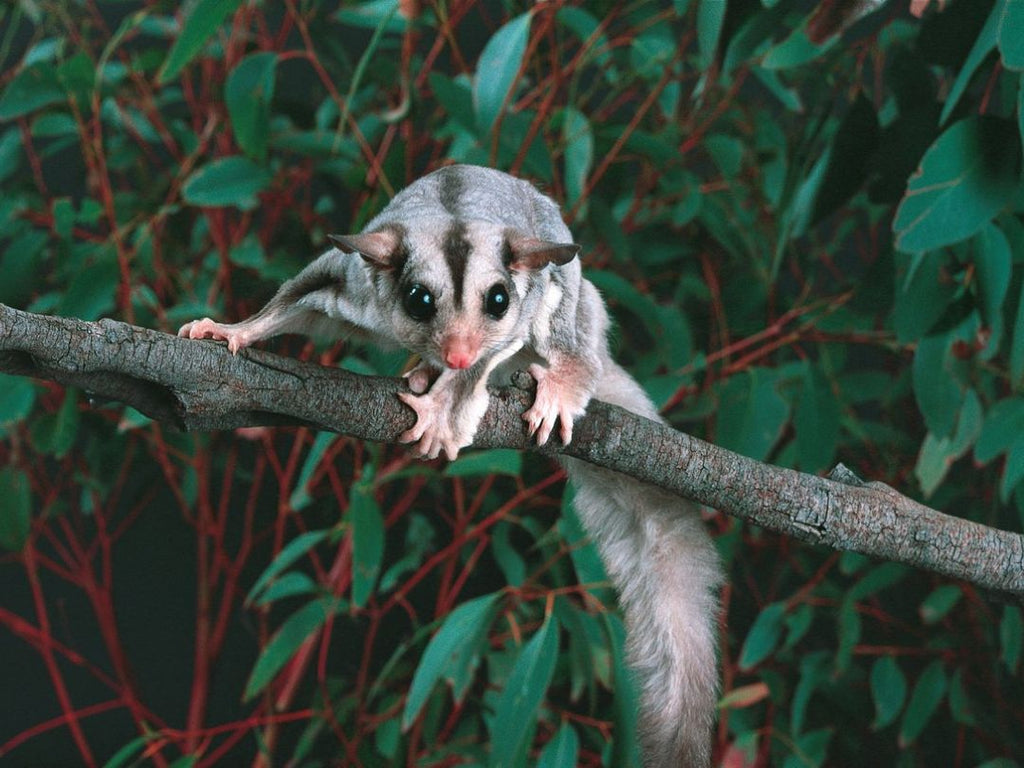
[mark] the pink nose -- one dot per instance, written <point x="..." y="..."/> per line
<point x="458" y="359"/>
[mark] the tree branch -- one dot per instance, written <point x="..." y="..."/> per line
<point x="200" y="386"/>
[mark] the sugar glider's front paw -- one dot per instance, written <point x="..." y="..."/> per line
<point x="435" y="430"/>
<point x="209" y="329"/>
<point x="558" y="399"/>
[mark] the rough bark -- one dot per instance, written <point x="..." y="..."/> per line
<point x="199" y="386"/>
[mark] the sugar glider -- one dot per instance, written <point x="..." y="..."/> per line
<point x="475" y="272"/>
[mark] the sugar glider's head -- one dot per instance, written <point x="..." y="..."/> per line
<point x="457" y="291"/>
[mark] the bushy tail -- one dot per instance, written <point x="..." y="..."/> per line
<point x="659" y="555"/>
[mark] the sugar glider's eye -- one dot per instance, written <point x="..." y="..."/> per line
<point x="419" y="303"/>
<point x="496" y="303"/>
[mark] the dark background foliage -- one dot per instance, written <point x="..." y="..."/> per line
<point x="806" y="220"/>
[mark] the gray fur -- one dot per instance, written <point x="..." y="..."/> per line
<point x="456" y="233"/>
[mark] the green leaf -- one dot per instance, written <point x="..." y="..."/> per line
<point x="367" y="523"/>
<point x="1011" y="41"/>
<point x="34" y="87"/>
<point x="798" y="622"/>
<point x="888" y="691"/>
<point x="233" y="181"/>
<point x="921" y="297"/>
<point x="994" y="262"/>
<point x="959" y="701"/>
<point x="585" y="558"/>
<point x="300" y="498"/>
<point x="710" y="19"/>
<point x="511" y="563"/>
<point x="849" y="628"/>
<point x="77" y="77"/>
<point x="877" y="579"/>
<point x="456" y="97"/>
<point x="10" y="152"/>
<point x="17" y="396"/>
<point x="814" y="670"/>
<point x="126" y="755"/>
<point x="938" y="453"/>
<point x="939" y="395"/>
<point x="625" y="745"/>
<point x="1014" y="472"/>
<point x="299" y="627"/>
<point x="497" y="461"/>
<point x="751" y="413"/>
<point x="291" y="552"/>
<point x="248" y="93"/>
<point x="965" y="178"/>
<point x="497" y="69"/>
<point x="198" y="27"/>
<point x="619" y="290"/>
<point x="453" y="653"/>
<point x="524" y="691"/>
<point x="795" y="50"/>
<point x="928" y="693"/>
<point x="587" y="29"/>
<point x="983" y="45"/>
<point x="579" y="153"/>
<point x="15" y="509"/>
<point x="940" y="602"/>
<point x="54" y="433"/>
<point x="1003" y="425"/>
<point x="763" y="636"/>
<point x="811" y="749"/>
<point x="20" y="265"/>
<point x="562" y="751"/>
<point x="372" y="14"/>
<point x="816" y="421"/>
<point x="787" y="96"/>
<point x="93" y="289"/>
<point x="289" y="584"/>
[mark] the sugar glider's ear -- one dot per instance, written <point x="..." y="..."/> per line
<point x="525" y="252"/>
<point x="380" y="249"/>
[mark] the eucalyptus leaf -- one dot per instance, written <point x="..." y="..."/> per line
<point x="248" y="93"/>
<point x="285" y="643"/>
<point x="928" y="693"/>
<point x="202" y="22"/>
<point x="230" y="181"/>
<point x="966" y="177"/>
<point x="1011" y="39"/>
<point x="15" y="509"/>
<point x="34" y="87"/>
<point x="888" y="690"/>
<point x="764" y="635"/>
<point x="497" y="69"/>
<point x="451" y="653"/>
<point x="367" y="521"/>
<point x="562" y="751"/>
<point x="524" y="691"/>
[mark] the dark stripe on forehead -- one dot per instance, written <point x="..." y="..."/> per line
<point x="450" y="190"/>
<point x="456" y="254"/>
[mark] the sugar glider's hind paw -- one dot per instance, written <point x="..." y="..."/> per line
<point x="233" y="334"/>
